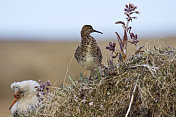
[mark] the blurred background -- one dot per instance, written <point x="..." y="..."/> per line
<point x="38" y="37"/>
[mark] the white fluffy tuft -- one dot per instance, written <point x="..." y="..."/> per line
<point x="24" y="86"/>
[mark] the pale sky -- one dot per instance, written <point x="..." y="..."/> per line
<point x="65" y="18"/>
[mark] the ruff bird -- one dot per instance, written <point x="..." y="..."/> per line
<point x="25" y="100"/>
<point x="88" y="53"/>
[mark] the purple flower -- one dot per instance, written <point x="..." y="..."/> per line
<point x="43" y="89"/>
<point x="129" y="11"/>
<point x="111" y="46"/>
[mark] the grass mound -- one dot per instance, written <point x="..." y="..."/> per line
<point x="144" y="86"/>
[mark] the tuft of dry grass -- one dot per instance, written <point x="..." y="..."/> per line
<point x="110" y="95"/>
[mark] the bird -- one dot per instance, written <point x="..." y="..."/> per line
<point x="88" y="54"/>
<point x="26" y="100"/>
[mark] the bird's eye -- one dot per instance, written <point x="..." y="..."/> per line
<point x="18" y="95"/>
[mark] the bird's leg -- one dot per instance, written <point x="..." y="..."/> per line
<point x="85" y="72"/>
<point x="92" y="74"/>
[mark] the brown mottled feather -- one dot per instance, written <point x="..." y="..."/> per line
<point x="88" y="53"/>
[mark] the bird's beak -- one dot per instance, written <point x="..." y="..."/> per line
<point x="97" y="31"/>
<point x="16" y="95"/>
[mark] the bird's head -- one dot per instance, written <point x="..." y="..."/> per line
<point x="23" y="89"/>
<point x="87" y="29"/>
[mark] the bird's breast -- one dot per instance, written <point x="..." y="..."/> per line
<point x="89" y="61"/>
<point x="24" y="106"/>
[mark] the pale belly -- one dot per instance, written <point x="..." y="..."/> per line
<point x="89" y="63"/>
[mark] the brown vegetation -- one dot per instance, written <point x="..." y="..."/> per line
<point x="44" y="60"/>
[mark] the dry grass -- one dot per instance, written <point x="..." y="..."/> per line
<point x="153" y="73"/>
<point x="46" y="60"/>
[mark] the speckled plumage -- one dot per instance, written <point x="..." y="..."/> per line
<point x="88" y="53"/>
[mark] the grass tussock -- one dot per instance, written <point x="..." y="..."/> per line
<point x="149" y="78"/>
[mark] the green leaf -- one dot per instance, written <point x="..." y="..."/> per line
<point x="73" y="82"/>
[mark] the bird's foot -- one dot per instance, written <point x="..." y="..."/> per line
<point x="85" y="72"/>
